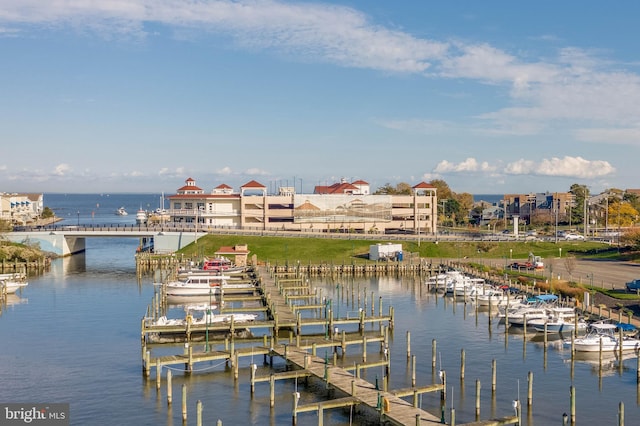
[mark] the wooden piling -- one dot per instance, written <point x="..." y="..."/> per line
<point x="169" y="388"/>
<point x="493" y="375"/>
<point x="462" y="361"/>
<point x="530" y="389"/>
<point x="199" y="413"/>
<point x="413" y="370"/>
<point x="433" y="354"/>
<point x="477" y="399"/>
<point x="184" y="403"/>
<point x="408" y="345"/>
<point x="573" y="405"/>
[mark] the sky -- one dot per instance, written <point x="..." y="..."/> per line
<point x="491" y="97"/>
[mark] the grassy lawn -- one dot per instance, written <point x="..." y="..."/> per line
<point x="322" y="250"/>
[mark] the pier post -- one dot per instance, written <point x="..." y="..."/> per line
<point x="413" y="370"/>
<point x="462" y="360"/>
<point x="158" y="373"/>
<point x="235" y="365"/>
<point x="199" y="413"/>
<point x="530" y="389"/>
<point x="408" y="344"/>
<point x="343" y="343"/>
<point x="169" y="388"/>
<point x="314" y="349"/>
<point x="573" y="405"/>
<point x="272" y="390"/>
<point x="147" y="363"/>
<point x="493" y="375"/>
<point x="184" y="403"/>
<point x="391" y="315"/>
<point x="477" y="399"/>
<point x="433" y="354"/>
<point x="364" y="349"/>
<point x="252" y="380"/>
<point x="190" y="365"/>
<point x="621" y="414"/>
<point x="294" y="419"/>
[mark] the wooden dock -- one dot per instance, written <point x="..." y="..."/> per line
<point x="391" y="407"/>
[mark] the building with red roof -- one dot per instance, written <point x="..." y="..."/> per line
<point x="339" y="207"/>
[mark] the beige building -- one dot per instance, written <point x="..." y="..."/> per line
<point x="20" y="209"/>
<point x="341" y="207"/>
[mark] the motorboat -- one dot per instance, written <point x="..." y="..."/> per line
<point x="221" y="264"/>
<point x="559" y="320"/>
<point x="195" y="285"/>
<point x="203" y="285"/>
<point x="121" y="211"/>
<point x="536" y="307"/>
<point x="488" y="297"/>
<point x="602" y="336"/>
<point x="11" y="283"/>
<point x="141" y="217"/>
<point x="206" y="318"/>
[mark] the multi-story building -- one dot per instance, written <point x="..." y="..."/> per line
<point x="539" y="206"/>
<point x="341" y="207"/>
<point x="20" y="209"/>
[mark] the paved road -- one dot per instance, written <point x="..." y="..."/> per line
<point x="601" y="273"/>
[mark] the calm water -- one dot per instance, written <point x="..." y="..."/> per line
<point x="74" y="336"/>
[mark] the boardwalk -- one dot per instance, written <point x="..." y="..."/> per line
<point x="392" y="408"/>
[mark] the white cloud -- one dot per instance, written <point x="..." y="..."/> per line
<point x="331" y="33"/>
<point x="567" y="166"/>
<point x="61" y="169"/>
<point x="468" y="165"/>
<point x="576" y="167"/>
<point x="225" y="171"/>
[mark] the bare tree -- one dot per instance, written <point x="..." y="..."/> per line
<point x="570" y="265"/>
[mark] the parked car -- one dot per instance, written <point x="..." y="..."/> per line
<point x="574" y="237"/>
<point x="633" y="285"/>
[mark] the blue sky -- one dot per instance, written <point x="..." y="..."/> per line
<point x="492" y="97"/>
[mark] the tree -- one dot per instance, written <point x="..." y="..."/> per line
<point x="570" y="265"/>
<point x="581" y="193"/>
<point x="47" y="213"/>
<point x="444" y="192"/>
<point x="631" y="238"/>
<point x="402" y="188"/>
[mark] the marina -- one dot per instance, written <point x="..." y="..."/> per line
<point x="97" y="300"/>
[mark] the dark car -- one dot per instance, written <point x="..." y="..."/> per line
<point x="633" y="285"/>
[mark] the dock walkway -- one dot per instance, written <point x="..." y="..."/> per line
<point x="392" y="408"/>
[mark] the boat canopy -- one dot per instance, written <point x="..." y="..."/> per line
<point x="626" y="327"/>
<point x="545" y="298"/>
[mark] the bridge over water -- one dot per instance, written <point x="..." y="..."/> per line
<point x="68" y="240"/>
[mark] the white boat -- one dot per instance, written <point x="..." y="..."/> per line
<point x="559" y="320"/>
<point x="121" y="212"/>
<point x="141" y="217"/>
<point x="195" y="285"/>
<point x="488" y="297"/>
<point x="603" y="335"/>
<point x="203" y="285"/>
<point x="206" y="318"/>
<point x="10" y="285"/>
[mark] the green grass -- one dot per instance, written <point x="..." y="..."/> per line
<point x="323" y="250"/>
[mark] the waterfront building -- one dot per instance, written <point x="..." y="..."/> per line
<point x="20" y="209"/>
<point x="346" y="207"/>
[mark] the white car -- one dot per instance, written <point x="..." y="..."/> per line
<point x="574" y="237"/>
